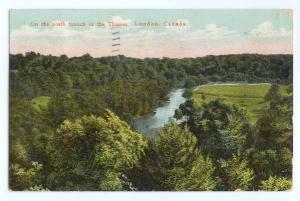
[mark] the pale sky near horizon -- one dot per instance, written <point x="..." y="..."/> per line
<point x="207" y="32"/>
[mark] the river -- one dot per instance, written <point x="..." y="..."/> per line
<point x="163" y="115"/>
<point x="150" y="125"/>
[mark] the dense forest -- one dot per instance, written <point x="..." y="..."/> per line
<point x="70" y="125"/>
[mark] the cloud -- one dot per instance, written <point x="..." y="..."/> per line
<point x="139" y="42"/>
<point x="119" y="19"/>
<point x="213" y="31"/>
<point x="210" y="31"/>
<point x="266" y="29"/>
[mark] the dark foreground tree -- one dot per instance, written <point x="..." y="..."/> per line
<point x="175" y="163"/>
<point x="221" y="129"/>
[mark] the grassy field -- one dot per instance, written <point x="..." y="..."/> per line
<point x="40" y="102"/>
<point x="247" y="96"/>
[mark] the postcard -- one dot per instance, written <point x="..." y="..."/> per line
<point x="150" y="100"/>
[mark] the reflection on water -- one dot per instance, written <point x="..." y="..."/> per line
<point x="163" y="115"/>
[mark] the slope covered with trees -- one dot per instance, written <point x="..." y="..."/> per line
<point x="70" y="125"/>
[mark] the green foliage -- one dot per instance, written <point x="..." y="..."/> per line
<point x="176" y="149"/>
<point x="200" y="177"/>
<point x="27" y="145"/>
<point x="181" y="165"/>
<point x="232" y="136"/>
<point x="237" y="174"/>
<point x="276" y="184"/>
<point x="18" y="153"/>
<point x="23" y="178"/>
<point x="39" y="75"/>
<point x="62" y="106"/>
<point x="129" y="99"/>
<point x="267" y="163"/>
<point x="40" y="102"/>
<point x="110" y="181"/>
<point x="58" y="142"/>
<point x="96" y="151"/>
<point x="273" y="93"/>
<point x="221" y="129"/>
<point x="175" y="146"/>
<point x="275" y="128"/>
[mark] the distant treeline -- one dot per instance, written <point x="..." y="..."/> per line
<point x="86" y="71"/>
<point x="119" y="82"/>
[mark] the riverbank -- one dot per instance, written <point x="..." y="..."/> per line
<point x="151" y="124"/>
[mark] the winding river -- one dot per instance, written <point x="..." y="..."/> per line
<point x="151" y="124"/>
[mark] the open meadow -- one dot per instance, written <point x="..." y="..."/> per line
<point x="247" y="96"/>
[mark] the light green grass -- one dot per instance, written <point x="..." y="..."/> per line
<point x="40" y="102"/>
<point x="247" y="96"/>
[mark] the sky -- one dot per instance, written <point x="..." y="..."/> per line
<point x="203" y="32"/>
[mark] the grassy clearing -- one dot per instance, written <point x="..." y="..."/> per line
<point x="40" y="102"/>
<point x="247" y="96"/>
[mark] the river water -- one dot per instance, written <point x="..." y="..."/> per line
<point x="150" y="125"/>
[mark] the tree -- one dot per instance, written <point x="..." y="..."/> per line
<point x="233" y="136"/>
<point x="78" y="157"/>
<point x="96" y="152"/>
<point x="181" y="165"/>
<point x="221" y="129"/>
<point x="24" y="178"/>
<point x="62" y="106"/>
<point x="175" y="146"/>
<point x="269" y="162"/>
<point x="200" y="177"/>
<point x="27" y="137"/>
<point x="276" y="184"/>
<point x="274" y="129"/>
<point x="272" y="94"/>
<point x="237" y="174"/>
